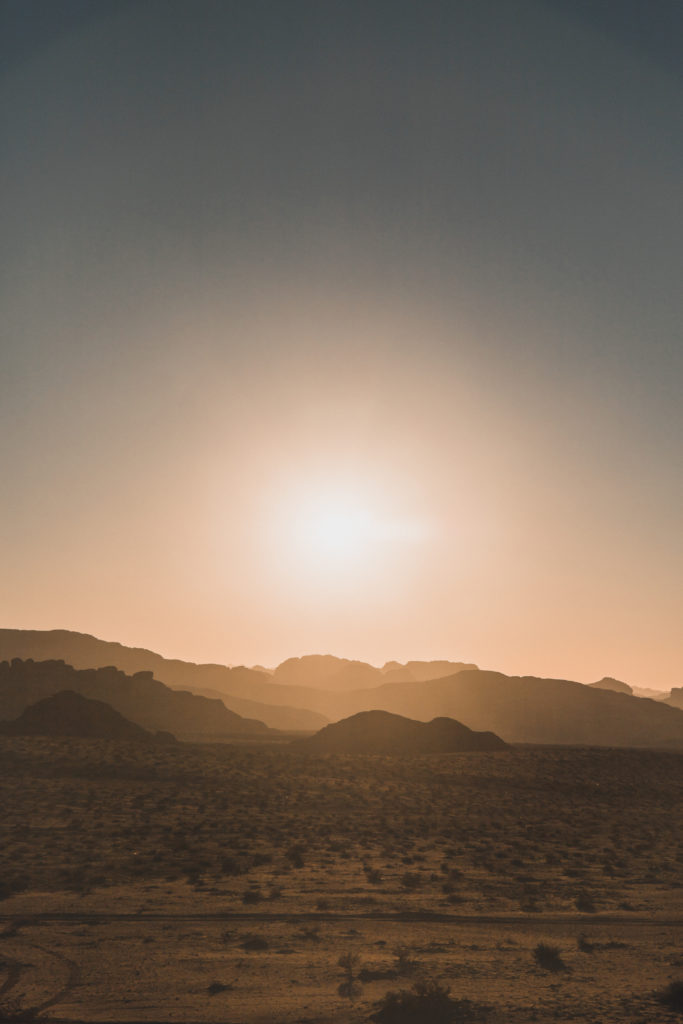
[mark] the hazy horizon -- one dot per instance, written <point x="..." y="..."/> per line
<point x="347" y="328"/>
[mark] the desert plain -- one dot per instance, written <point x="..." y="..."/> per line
<point x="261" y="884"/>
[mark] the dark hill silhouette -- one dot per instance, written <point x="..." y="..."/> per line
<point x="277" y="716"/>
<point x="616" y="685"/>
<point x="245" y="691"/>
<point x="71" y="714"/>
<point x="525" y="709"/>
<point x="520" y="709"/>
<point x="675" y="698"/>
<point x="380" y="732"/>
<point x="140" y="698"/>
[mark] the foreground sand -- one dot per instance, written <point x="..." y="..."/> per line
<point x="256" y="871"/>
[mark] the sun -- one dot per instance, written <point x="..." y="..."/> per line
<point x="335" y="532"/>
<point x="326" y="536"/>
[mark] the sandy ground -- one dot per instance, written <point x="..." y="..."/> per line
<point x="125" y="956"/>
<point x="224" y="885"/>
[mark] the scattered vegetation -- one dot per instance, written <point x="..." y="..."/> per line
<point x="254" y="943"/>
<point x="427" y="1002"/>
<point x="549" y="957"/>
<point x="405" y="964"/>
<point x="350" y="987"/>
<point x="216" y="987"/>
<point x="444" y="831"/>
<point x="672" y="997"/>
<point x="585" y="903"/>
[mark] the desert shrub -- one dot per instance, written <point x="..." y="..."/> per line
<point x="374" y="876"/>
<point x="549" y="958"/>
<point x="427" y="1001"/>
<point x="411" y="880"/>
<point x="295" y="855"/>
<point x="219" y="986"/>
<point x="259" y="859"/>
<point x="11" y="1012"/>
<point x="231" y="866"/>
<point x="585" y="903"/>
<point x="350" y="987"/>
<point x="252" y="896"/>
<point x="405" y="964"/>
<point x="672" y="996"/>
<point x="254" y="943"/>
<point x="584" y="945"/>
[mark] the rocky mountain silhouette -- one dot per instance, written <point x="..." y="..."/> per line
<point x="380" y="732"/>
<point x="327" y="672"/>
<point x="247" y="692"/>
<point x="647" y="691"/>
<point x="277" y="716"/>
<point x="421" y="671"/>
<point x="68" y="713"/>
<point x="675" y="698"/>
<point x="616" y="685"/>
<point x="140" y="698"/>
<point x="523" y="709"/>
<point x="526" y="709"/>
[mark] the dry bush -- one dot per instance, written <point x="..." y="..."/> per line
<point x="672" y="997"/>
<point x="549" y="957"/>
<point x="427" y="1002"/>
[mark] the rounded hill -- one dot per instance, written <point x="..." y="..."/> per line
<point x="71" y="714"/>
<point x="380" y="732"/>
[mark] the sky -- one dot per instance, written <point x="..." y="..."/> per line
<point x="347" y="328"/>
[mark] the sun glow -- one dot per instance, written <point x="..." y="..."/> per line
<point x="346" y="532"/>
<point x="335" y="532"/>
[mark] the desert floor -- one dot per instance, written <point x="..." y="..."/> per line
<point x="206" y="883"/>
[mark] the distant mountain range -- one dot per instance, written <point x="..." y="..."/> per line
<point x="67" y="713"/>
<point x="615" y="685"/>
<point x="326" y="672"/>
<point x="526" y="709"/>
<point x="379" y="732"/>
<point x="247" y="692"/>
<point x="140" y="698"/>
<point x="519" y="709"/>
<point x="675" y="698"/>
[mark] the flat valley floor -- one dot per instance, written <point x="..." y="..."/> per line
<point x="225" y="883"/>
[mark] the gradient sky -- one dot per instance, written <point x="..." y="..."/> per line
<point x="418" y="262"/>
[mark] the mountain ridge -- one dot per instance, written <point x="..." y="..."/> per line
<point x="140" y="698"/>
<point x="68" y="713"/>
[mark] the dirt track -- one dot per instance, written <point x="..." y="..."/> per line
<point x="527" y="921"/>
